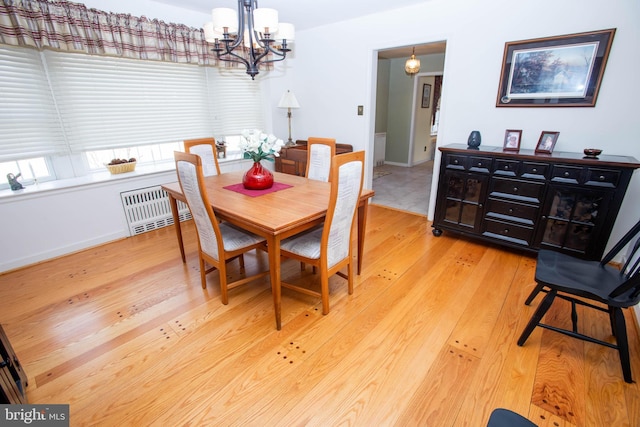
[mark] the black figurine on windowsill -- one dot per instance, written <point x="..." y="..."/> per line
<point x="13" y="181"/>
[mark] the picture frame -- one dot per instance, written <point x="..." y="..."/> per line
<point x="547" y="142"/>
<point x="559" y="71"/>
<point x="512" y="139"/>
<point x="426" y="95"/>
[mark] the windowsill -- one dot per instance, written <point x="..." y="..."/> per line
<point x="98" y="178"/>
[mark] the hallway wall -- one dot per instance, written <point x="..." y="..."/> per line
<point x="422" y="122"/>
<point x="400" y="106"/>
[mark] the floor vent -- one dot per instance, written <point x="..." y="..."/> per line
<point x="148" y="209"/>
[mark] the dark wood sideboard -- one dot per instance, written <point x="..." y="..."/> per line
<point x="293" y="159"/>
<point x="562" y="201"/>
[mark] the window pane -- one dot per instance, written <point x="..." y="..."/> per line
<point x="29" y="170"/>
<point x="146" y="154"/>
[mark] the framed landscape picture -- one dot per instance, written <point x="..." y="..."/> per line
<point x="560" y="71"/>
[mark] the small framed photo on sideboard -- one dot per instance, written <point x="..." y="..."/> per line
<point x="512" y="139"/>
<point x="547" y="141"/>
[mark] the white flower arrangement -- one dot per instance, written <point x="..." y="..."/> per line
<point x="257" y="145"/>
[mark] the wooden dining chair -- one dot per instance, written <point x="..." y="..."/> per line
<point x="593" y="285"/>
<point x="501" y="417"/>
<point x="207" y="150"/>
<point x="218" y="242"/>
<point x="320" y="151"/>
<point x="329" y="248"/>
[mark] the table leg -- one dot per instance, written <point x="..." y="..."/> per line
<point x="176" y="223"/>
<point x="273" y="243"/>
<point x="362" y="224"/>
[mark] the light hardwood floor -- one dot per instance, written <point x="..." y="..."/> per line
<point x="125" y="334"/>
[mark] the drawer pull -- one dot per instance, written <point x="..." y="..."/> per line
<point x="455" y="162"/>
<point x="506" y="231"/>
<point x="534" y="170"/>
<point x="602" y="178"/>
<point x="510" y="210"/>
<point x="479" y="164"/>
<point x="506" y="168"/>
<point x="566" y="174"/>
<point x="515" y="189"/>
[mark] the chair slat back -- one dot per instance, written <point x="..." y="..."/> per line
<point x="347" y="173"/>
<point x="191" y="179"/>
<point x="206" y="149"/>
<point x="630" y="270"/>
<point x="320" y="151"/>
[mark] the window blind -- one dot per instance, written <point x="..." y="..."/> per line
<point x="114" y="102"/>
<point x="58" y="102"/>
<point x="236" y="101"/>
<point x="28" y="116"/>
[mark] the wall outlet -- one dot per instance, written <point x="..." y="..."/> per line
<point x="360" y="110"/>
<point x="425" y="148"/>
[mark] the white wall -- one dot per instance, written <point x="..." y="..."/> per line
<point x="39" y="223"/>
<point x="152" y="10"/>
<point x="330" y="86"/>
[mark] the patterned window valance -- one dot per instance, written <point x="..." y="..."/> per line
<point x="72" y="27"/>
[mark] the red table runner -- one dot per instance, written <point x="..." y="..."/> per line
<point x="239" y="188"/>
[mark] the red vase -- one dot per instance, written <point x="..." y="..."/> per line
<point x="257" y="178"/>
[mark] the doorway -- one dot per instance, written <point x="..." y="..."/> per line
<point x="405" y="139"/>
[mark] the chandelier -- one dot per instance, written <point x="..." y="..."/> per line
<point x="412" y="66"/>
<point x="249" y="36"/>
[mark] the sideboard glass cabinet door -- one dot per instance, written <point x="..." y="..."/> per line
<point x="463" y="195"/>
<point x="572" y="218"/>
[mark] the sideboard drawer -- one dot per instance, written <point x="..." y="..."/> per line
<point x="454" y="161"/>
<point x="517" y="212"/>
<point x="517" y="234"/>
<point x="506" y="167"/>
<point x="566" y="174"/>
<point x="535" y="170"/>
<point x="517" y="189"/>
<point x="480" y="164"/>
<point x="602" y="177"/>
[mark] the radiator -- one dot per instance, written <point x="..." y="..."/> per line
<point x="148" y="209"/>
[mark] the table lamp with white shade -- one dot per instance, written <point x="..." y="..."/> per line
<point x="289" y="101"/>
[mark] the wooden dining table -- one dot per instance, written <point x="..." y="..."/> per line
<point x="274" y="215"/>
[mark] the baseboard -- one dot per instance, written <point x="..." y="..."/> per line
<point x="36" y="258"/>
<point x="405" y="165"/>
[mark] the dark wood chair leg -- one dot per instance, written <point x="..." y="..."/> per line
<point x="620" y="328"/>
<point x="612" y="319"/>
<point x="537" y="316"/>
<point x="533" y="294"/>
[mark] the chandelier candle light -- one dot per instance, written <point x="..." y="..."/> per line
<point x="249" y="36"/>
<point x="257" y="145"/>
<point x="289" y="101"/>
